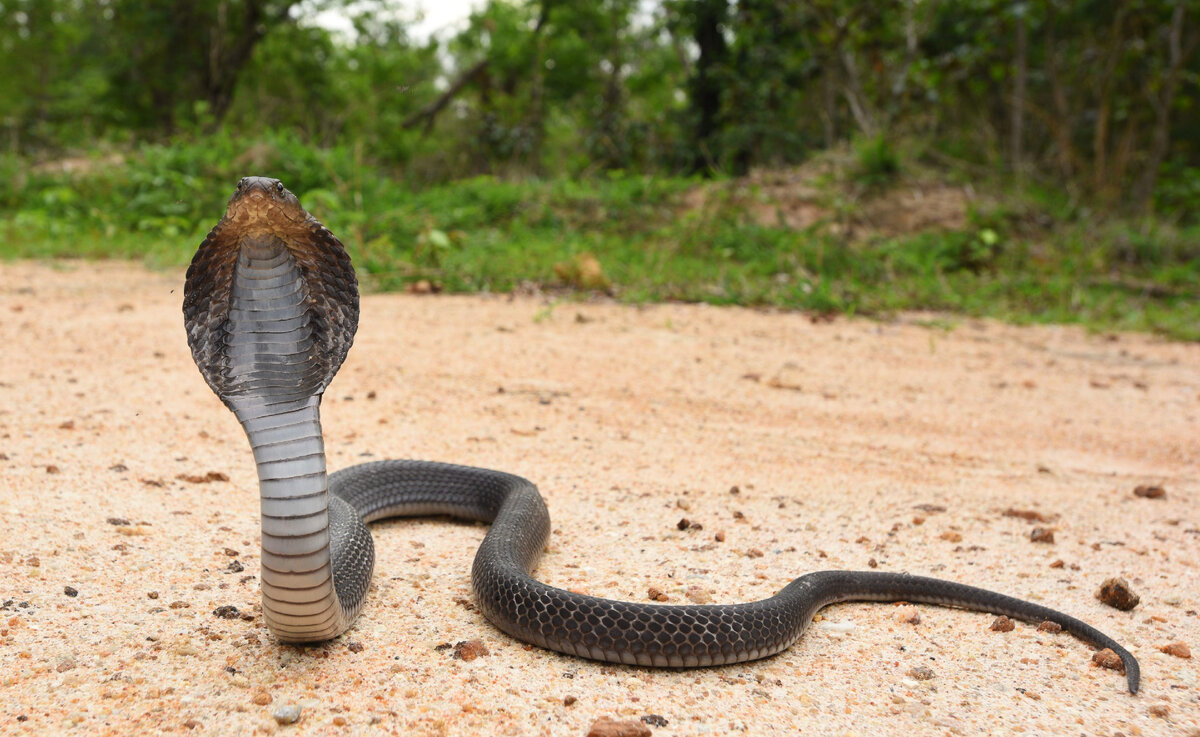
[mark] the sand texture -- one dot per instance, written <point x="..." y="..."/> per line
<point x="130" y="515"/>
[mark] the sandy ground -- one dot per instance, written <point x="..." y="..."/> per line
<point x="850" y="444"/>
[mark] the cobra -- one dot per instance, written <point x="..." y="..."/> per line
<point x="271" y="307"/>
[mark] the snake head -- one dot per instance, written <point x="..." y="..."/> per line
<point x="261" y="205"/>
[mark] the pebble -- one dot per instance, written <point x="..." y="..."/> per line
<point x="908" y="614"/>
<point x="262" y="698"/>
<point x="1150" y="491"/>
<point x="468" y="650"/>
<point x="70" y="591"/>
<point x="1106" y="658"/>
<point x="655" y="720"/>
<point x="287" y="714"/>
<point x="1116" y="593"/>
<point x="608" y="727"/>
<point x="656" y="594"/>
<point x="1048" y="626"/>
<point x="698" y="595"/>
<point x="921" y="672"/>
<point x="951" y="536"/>
<point x="1160" y="710"/>
<point x="1178" y="649"/>
<point x="1041" y="535"/>
<point x="1002" y="624"/>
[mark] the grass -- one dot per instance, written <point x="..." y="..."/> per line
<point x="487" y="234"/>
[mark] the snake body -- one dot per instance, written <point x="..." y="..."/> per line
<point x="271" y="308"/>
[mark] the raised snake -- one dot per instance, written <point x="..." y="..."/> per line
<point x="271" y="308"/>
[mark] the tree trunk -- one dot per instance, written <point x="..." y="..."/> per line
<point x="231" y="49"/>
<point x="1017" y="124"/>
<point x="1161" y="102"/>
<point x="1060" y="128"/>
<point x="535" y="122"/>
<point x="706" y="84"/>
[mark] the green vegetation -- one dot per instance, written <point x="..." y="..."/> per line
<point x="762" y="152"/>
<point x="656" y="238"/>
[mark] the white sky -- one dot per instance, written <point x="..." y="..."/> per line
<point x="440" y="16"/>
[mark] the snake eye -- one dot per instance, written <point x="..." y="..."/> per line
<point x="241" y="184"/>
<point x="279" y="187"/>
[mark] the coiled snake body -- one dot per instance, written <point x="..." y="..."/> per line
<point x="271" y="308"/>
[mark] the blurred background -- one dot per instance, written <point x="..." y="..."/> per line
<point x="1030" y="160"/>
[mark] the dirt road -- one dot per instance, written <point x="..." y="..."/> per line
<point x="130" y="514"/>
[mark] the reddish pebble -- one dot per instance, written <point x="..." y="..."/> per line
<point x="1116" y="593"/>
<point x="1049" y="626"/>
<point x="1178" y="649"/>
<point x="470" y="649"/>
<point x="1041" y="535"/>
<point x="1003" y="624"/>
<point x="608" y="727"/>
<point x="1106" y="658"/>
<point x="1149" y="491"/>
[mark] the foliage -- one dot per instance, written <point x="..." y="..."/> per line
<point x="647" y="236"/>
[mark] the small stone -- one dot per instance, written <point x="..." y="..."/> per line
<point x="1178" y="649"/>
<point x="568" y="700"/>
<point x="908" y="614"/>
<point x="656" y="594"/>
<point x="921" y="672"/>
<point x="227" y="612"/>
<point x="354" y="647"/>
<point x="191" y="724"/>
<point x="1048" y="626"/>
<point x="683" y="504"/>
<point x="339" y="721"/>
<point x="1148" y="491"/>
<point x="872" y="563"/>
<point x="1116" y="593"/>
<point x="1028" y="515"/>
<point x="152" y="595"/>
<point x="608" y="727"/>
<point x="1106" y="658"/>
<point x="468" y="650"/>
<point x="262" y="698"/>
<point x="698" y="595"/>
<point x="655" y="720"/>
<point x="1002" y="624"/>
<point x="231" y="552"/>
<point x="1042" y="535"/>
<point x="720" y="536"/>
<point x="118" y="521"/>
<point x="1160" y="710"/>
<point x="754" y="553"/>
<point x="1058" y="563"/>
<point x="951" y="536"/>
<point x="70" y="591"/>
<point x="289" y="714"/>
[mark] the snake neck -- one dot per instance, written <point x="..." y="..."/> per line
<point x="273" y="386"/>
